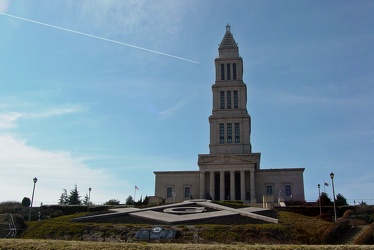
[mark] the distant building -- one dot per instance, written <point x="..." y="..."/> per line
<point x="230" y="171"/>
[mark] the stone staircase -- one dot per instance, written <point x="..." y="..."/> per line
<point x="350" y="236"/>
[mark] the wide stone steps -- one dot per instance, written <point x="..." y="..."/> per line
<point x="351" y="235"/>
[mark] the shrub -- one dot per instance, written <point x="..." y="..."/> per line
<point x="67" y="209"/>
<point x="56" y="213"/>
<point x="10" y="207"/>
<point x="367" y="237"/>
<point x="112" y="202"/>
<point x="295" y="203"/>
<point x="332" y="233"/>
<point x="325" y="217"/>
<point x="363" y="209"/>
<point x="347" y="214"/>
<point x="19" y="221"/>
<point x="304" y="229"/>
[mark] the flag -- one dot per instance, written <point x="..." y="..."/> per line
<point x="136" y="188"/>
<point x="326" y="184"/>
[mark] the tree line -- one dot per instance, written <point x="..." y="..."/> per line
<point x="325" y="200"/>
<point x="74" y="198"/>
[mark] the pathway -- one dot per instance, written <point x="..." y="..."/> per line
<point x="350" y="236"/>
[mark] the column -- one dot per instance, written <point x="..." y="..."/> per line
<point x="232" y="185"/>
<point x="211" y="185"/>
<point x="242" y="185"/>
<point x="253" y="186"/>
<point x="222" y="185"/>
<point x="202" y="185"/>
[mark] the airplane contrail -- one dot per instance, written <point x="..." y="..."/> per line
<point x="97" y="37"/>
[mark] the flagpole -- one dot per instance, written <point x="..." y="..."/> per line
<point x="134" y="194"/>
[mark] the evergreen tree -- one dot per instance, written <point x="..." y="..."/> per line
<point x="146" y="200"/>
<point x="341" y="200"/>
<point x="26" y="202"/>
<point x="325" y="199"/>
<point x="139" y="202"/>
<point x="86" y="200"/>
<point x="74" y="198"/>
<point x="130" y="201"/>
<point x="64" y="200"/>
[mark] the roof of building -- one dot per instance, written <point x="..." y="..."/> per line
<point x="228" y="47"/>
<point x="228" y="41"/>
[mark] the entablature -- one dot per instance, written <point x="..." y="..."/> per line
<point x="229" y="159"/>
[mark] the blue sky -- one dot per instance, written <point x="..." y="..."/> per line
<point x="80" y="110"/>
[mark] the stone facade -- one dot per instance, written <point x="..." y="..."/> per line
<point x="231" y="171"/>
<point x="286" y="184"/>
<point x="176" y="186"/>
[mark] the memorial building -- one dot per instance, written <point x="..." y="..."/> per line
<point x="231" y="171"/>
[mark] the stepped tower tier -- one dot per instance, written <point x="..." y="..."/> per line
<point x="230" y="123"/>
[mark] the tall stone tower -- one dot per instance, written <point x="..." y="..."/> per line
<point x="231" y="171"/>
<point x="228" y="172"/>
<point x="230" y="123"/>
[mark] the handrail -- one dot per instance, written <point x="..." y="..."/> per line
<point x="12" y="226"/>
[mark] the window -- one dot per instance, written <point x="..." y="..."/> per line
<point x="229" y="99"/>
<point x="169" y="192"/>
<point x="234" y="71"/>
<point x="229" y="132"/>
<point x="235" y="99"/>
<point x="221" y="133"/>
<point x="288" y="190"/>
<point x="222" y="72"/>
<point x="222" y="98"/>
<point x="269" y="190"/>
<point x="187" y="192"/>
<point x="237" y="133"/>
<point x="228" y="71"/>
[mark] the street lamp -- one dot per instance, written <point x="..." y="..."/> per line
<point x="333" y="192"/>
<point x="89" y="198"/>
<point x="32" y="197"/>
<point x="319" y="199"/>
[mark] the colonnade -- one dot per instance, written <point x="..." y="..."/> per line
<point x="223" y="187"/>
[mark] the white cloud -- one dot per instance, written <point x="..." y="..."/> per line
<point x="56" y="111"/>
<point x="171" y="111"/>
<point x="55" y="170"/>
<point x="8" y="120"/>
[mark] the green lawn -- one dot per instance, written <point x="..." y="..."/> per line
<point x="18" y="244"/>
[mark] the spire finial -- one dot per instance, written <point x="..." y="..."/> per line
<point x="228" y="28"/>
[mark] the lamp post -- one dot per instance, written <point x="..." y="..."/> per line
<point x="32" y="197"/>
<point x="319" y="199"/>
<point x="333" y="192"/>
<point x="89" y="199"/>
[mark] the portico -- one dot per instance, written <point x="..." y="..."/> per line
<point x="228" y="176"/>
<point x="228" y="185"/>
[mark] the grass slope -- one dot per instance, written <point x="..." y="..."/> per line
<point x="20" y="244"/>
<point x="292" y="229"/>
